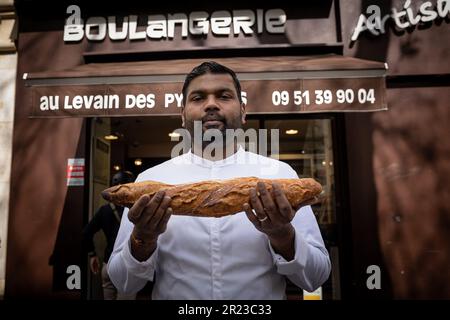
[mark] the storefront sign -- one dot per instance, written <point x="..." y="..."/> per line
<point x="412" y="14"/>
<point x="75" y="172"/>
<point x="120" y="30"/>
<point x="260" y="96"/>
<point x="198" y="23"/>
<point x="326" y="83"/>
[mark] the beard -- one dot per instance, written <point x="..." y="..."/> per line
<point x="212" y="125"/>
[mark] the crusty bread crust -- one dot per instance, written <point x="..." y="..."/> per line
<point x="212" y="198"/>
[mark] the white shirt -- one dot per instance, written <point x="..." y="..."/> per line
<point x="220" y="258"/>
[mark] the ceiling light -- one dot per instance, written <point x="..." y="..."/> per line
<point x="291" y="131"/>
<point x="111" y="137"/>
<point x="138" y="162"/>
<point x="116" y="167"/>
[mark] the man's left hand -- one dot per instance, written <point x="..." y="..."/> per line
<point x="270" y="213"/>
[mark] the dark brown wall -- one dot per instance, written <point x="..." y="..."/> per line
<point x="45" y="215"/>
<point x="411" y="162"/>
<point x="398" y="163"/>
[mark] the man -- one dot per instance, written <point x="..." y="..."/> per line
<point x="107" y="218"/>
<point x="243" y="256"/>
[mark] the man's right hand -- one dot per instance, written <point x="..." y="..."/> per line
<point x="150" y="219"/>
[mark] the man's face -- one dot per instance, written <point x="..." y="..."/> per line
<point x="213" y="100"/>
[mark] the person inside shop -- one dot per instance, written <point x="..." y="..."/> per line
<point x="107" y="218"/>
<point x="241" y="256"/>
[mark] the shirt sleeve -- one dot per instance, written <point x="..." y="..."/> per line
<point x="311" y="265"/>
<point x="127" y="274"/>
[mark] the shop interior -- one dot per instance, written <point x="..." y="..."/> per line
<point x="138" y="143"/>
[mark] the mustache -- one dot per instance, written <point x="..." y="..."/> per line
<point x="210" y="117"/>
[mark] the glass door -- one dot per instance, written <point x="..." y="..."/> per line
<point x="307" y="146"/>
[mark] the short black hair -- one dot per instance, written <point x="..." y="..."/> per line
<point x="214" y="68"/>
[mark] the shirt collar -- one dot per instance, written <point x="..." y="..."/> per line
<point x="234" y="158"/>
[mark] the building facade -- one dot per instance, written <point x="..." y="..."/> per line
<point x="365" y="85"/>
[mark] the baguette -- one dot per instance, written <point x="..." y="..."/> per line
<point x="213" y="198"/>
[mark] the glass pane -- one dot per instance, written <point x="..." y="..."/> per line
<point x="307" y="146"/>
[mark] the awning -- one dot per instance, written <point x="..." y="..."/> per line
<point x="282" y="84"/>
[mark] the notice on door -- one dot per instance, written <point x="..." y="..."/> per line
<point x="75" y="172"/>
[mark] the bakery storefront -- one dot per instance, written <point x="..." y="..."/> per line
<point x="99" y="91"/>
